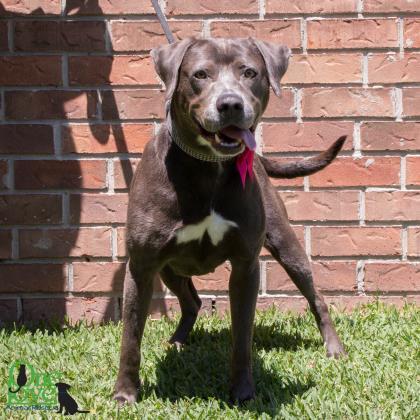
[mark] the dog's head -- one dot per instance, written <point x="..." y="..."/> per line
<point x="218" y="88"/>
<point x="62" y="387"/>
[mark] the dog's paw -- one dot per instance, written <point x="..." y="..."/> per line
<point x="126" y="392"/>
<point x="336" y="351"/>
<point x="242" y="392"/>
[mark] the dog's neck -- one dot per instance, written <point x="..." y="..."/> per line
<point x="174" y="133"/>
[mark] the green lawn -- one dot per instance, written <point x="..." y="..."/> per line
<point x="294" y="379"/>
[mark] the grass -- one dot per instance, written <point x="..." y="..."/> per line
<point x="294" y="379"/>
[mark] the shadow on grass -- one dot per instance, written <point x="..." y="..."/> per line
<point x="201" y="369"/>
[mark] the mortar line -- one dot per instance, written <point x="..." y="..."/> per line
<point x="362" y="208"/>
<point x="263" y="276"/>
<point x="397" y="100"/>
<point x="360" y="277"/>
<point x="403" y="173"/>
<point x="114" y="243"/>
<point x="108" y="40"/>
<point x="400" y="26"/>
<point x="2" y="105"/>
<point x="365" y="70"/>
<point x="206" y="28"/>
<point x="57" y="140"/>
<point x="10" y="38"/>
<point x="65" y="70"/>
<point x="11" y="175"/>
<point x="308" y="248"/>
<point x="19" y="308"/>
<point x="298" y="104"/>
<point x="304" y="36"/>
<point x="404" y="243"/>
<point x="261" y="9"/>
<point x="110" y="182"/>
<point x="70" y="277"/>
<point x="357" y="153"/>
<point x="65" y="209"/>
<point x="15" y="243"/>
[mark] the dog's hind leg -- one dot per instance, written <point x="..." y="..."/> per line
<point x="284" y="246"/>
<point x="183" y="288"/>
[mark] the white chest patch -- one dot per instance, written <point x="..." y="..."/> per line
<point x="214" y="224"/>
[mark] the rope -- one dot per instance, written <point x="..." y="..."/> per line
<point x="163" y="22"/>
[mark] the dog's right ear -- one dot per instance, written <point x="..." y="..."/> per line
<point x="168" y="59"/>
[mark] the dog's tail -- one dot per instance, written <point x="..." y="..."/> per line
<point x="276" y="169"/>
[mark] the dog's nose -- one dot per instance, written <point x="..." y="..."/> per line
<point x="229" y="103"/>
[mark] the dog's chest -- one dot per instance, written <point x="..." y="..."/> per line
<point x="215" y="225"/>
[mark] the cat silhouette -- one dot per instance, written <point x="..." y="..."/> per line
<point x="21" y="379"/>
<point x="66" y="401"/>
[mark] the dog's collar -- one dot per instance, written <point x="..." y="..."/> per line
<point x="193" y="153"/>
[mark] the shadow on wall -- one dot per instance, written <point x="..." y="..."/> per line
<point x="84" y="304"/>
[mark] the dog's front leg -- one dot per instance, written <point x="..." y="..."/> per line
<point x="138" y="289"/>
<point x="243" y="290"/>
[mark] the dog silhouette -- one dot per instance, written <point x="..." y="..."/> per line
<point x="66" y="401"/>
<point x="21" y="379"/>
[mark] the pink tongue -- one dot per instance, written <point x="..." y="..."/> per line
<point x="237" y="133"/>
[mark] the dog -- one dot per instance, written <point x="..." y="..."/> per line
<point x="200" y="197"/>
<point x="66" y="401"/>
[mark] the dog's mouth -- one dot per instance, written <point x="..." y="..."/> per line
<point x="230" y="139"/>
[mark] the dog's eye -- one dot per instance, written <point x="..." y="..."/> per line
<point x="200" y="74"/>
<point x="250" y="73"/>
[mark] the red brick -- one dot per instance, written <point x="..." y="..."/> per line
<point x="216" y="281"/>
<point x="123" y="172"/>
<point x="305" y="137"/>
<point x="392" y="68"/>
<point x="90" y="309"/>
<point x="283" y="106"/>
<point x="349" y="172"/>
<point x="33" y="278"/>
<point x="57" y="36"/>
<point x="37" y="174"/>
<point x="328" y="276"/>
<point x="279" y="31"/>
<point x="412" y="32"/>
<point x="390" y="6"/>
<point x="105" y="138"/>
<point x="393" y="206"/>
<point x="413" y="170"/>
<point x="26" y="139"/>
<point x="121" y="246"/>
<point x="98" y="208"/>
<point x="324" y="68"/>
<point x="4" y="170"/>
<point x="62" y="243"/>
<point x="390" y="135"/>
<point x="98" y="277"/>
<point x="33" y="105"/>
<point x="26" y="7"/>
<point x="105" y="277"/>
<point x="347" y="102"/>
<point x="352" y="33"/>
<point x="106" y="7"/>
<point x="311" y="6"/>
<point x="5" y="244"/>
<point x="144" y="35"/>
<point x="133" y="104"/>
<point x="109" y="70"/>
<point x="210" y="7"/>
<point x="411" y="102"/>
<point x="355" y="241"/>
<point x="4" y="43"/>
<point x="392" y="277"/>
<point x="321" y="205"/>
<point x="413" y="242"/>
<point x="295" y="304"/>
<point x="30" y="209"/>
<point x="8" y="311"/>
<point x="27" y="71"/>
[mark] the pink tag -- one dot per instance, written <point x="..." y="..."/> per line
<point x="244" y="165"/>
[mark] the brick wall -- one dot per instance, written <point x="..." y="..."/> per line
<point x="79" y="99"/>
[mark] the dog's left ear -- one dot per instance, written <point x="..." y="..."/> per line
<point x="168" y="59"/>
<point x="276" y="58"/>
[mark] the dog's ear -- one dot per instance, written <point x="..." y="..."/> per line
<point x="276" y="58"/>
<point x="168" y="59"/>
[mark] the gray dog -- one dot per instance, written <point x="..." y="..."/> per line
<point x="199" y="197"/>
